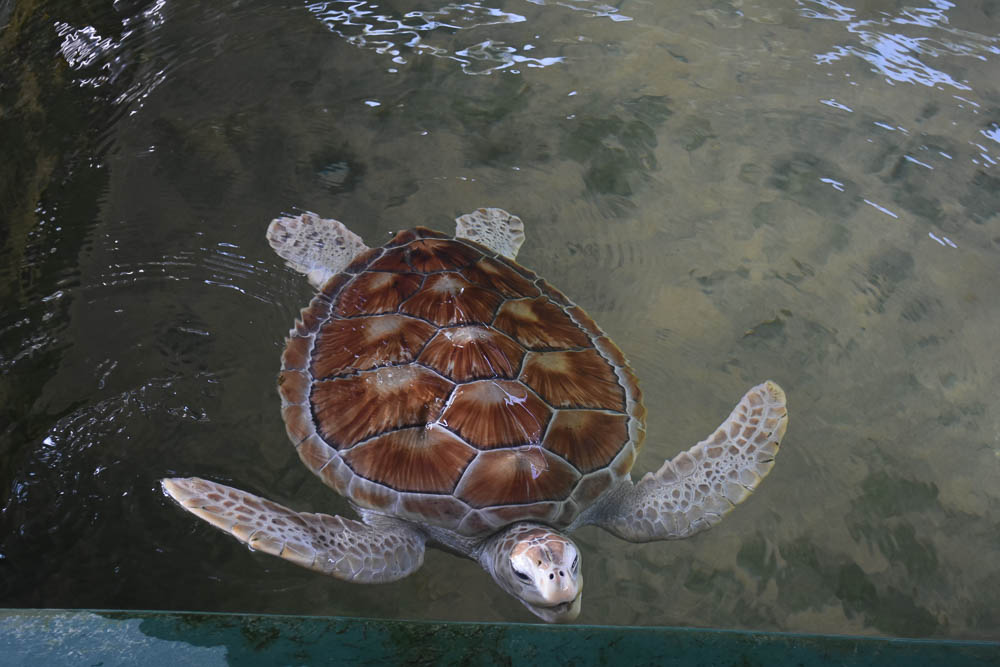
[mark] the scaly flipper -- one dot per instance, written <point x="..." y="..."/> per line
<point x="694" y="490"/>
<point x="495" y="228"/>
<point x="318" y="247"/>
<point x="340" y="547"/>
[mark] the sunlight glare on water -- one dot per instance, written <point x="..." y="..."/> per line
<point x="367" y="25"/>
<point x="806" y="192"/>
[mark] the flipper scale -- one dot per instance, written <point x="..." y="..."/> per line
<point x="318" y="247"/>
<point x="494" y="228"/>
<point x="333" y="545"/>
<point x="694" y="490"/>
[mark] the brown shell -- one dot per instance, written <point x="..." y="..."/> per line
<point x="439" y="382"/>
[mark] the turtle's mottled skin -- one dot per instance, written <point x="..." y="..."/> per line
<point x="457" y="399"/>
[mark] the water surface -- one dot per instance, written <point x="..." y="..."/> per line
<point x="735" y="191"/>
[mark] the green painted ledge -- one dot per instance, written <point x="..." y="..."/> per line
<point x="149" y="639"/>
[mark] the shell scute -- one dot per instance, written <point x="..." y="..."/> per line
<point x="428" y="233"/>
<point x="525" y="273"/>
<point x="637" y="430"/>
<point x="573" y="379"/>
<point x="493" y="275"/>
<point x="626" y="459"/>
<point x="447" y="510"/>
<point x="357" y="407"/>
<point x="530" y="512"/>
<point x="297" y="354"/>
<point x="447" y="299"/>
<point x="421" y="459"/>
<point x="334" y="284"/>
<point x="550" y="291"/>
<point x="361" y="262"/>
<point x="315" y="453"/>
<point x="611" y="351"/>
<point x="516" y="476"/>
<point x="592" y="486"/>
<point x="403" y="237"/>
<point x="376" y="292"/>
<point x="473" y="352"/>
<point x="362" y="343"/>
<point x="298" y="422"/>
<point x="315" y="313"/>
<point x="589" y="439"/>
<point x="337" y="475"/>
<point x="539" y="324"/>
<point x="496" y="413"/>
<point x="294" y="387"/>
<point x="371" y="495"/>
<point x="584" y="321"/>
<point x="429" y="255"/>
<point x="393" y="260"/>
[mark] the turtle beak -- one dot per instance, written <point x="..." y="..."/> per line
<point x="564" y="612"/>
<point x="561" y="593"/>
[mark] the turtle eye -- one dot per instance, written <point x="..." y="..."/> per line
<point x="576" y="564"/>
<point x="522" y="576"/>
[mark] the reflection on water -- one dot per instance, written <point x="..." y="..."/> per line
<point x="101" y="59"/>
<point x="734" y="191"/>
<point x="895" y="44"/>
<point x="401" y="36"/>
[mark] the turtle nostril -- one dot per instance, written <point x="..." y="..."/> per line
<point x="551" y="576"/>
<point x="561" y="573"/>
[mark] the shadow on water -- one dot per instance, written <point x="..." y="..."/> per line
<point x="807" y="192"/>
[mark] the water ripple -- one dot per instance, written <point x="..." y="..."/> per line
<point x="899" y="45"/>
<point x="102" y="59"/>
<point x="399" y="36"/>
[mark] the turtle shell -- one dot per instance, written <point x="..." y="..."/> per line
<point x="439" y="382"/>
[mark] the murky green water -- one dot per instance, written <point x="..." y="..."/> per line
<point x="803" y="191"/>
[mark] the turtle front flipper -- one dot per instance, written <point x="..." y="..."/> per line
<point x="495" y="228"/>
<point x="333" y="545"/>
<point x="694" y="490"/>
<point x="318" y="247"/>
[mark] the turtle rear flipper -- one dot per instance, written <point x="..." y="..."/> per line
<point x="333" y="545"/>
<point x="318" y="247"/>
<point x="495" y="228"/>
<point x="694" y="490"/>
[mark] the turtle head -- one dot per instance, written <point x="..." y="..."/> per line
<point x="538" y="566"/>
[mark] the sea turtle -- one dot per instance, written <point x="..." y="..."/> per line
<point x="458" y="400"/>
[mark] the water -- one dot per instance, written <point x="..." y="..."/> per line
<point x="735" y="191"/>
